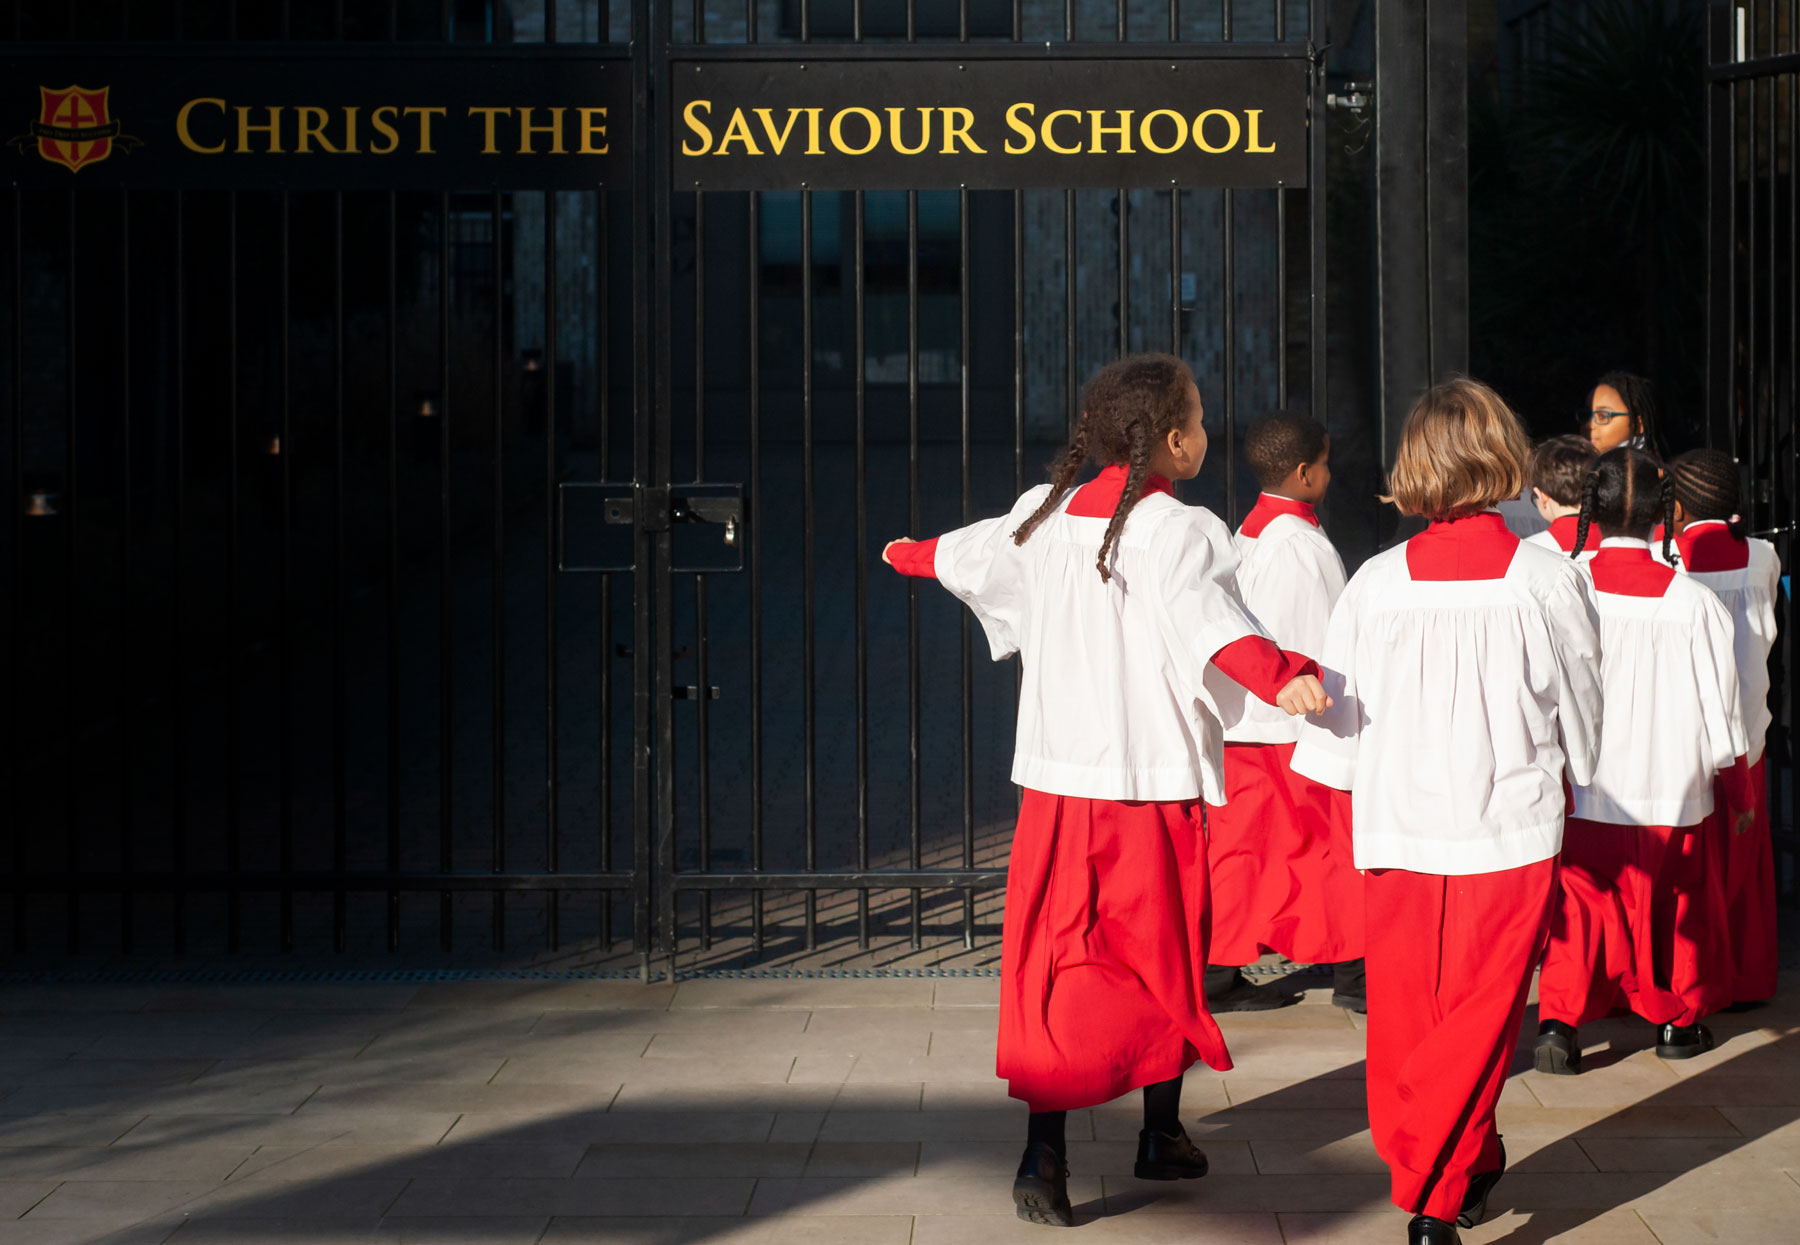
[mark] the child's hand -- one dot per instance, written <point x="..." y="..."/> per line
<point x="904" y="540"/>
<point x="1742" y="822"/>
<point x="1303" y="695"/>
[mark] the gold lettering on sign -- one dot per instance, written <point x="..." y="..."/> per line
<point x="488" y="117"/>
<point x="778" y="141"/>
<point x="899" y="143"/>
<point x="425" y="115"/>
<point x="272" y="129"/>
<point x="592" y="129"/>
<point x="554" y="129"/>
<point x="1048" y="129"/>
<point x="956" y="129"/>
<point x="384" y="129"/>
<point x="738" y="130"/>
<point x="837" y="131"/>
<point x="186" y="136"/>
<point x="312" y="130"/>
<point x="1255" y="115"/>
<point x="1020" y="128"/>
<point x="1231" y="122"/>
<point x="697" y="126"/>
<point x="1123" y="130"/>
<point x="1147" y="136"/>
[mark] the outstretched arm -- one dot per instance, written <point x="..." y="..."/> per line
<point x="1289" y="681"/>
<point x="917" y="558"/>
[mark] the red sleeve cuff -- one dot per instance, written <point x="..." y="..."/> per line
<point x="1261" y="667"/>
<point x="918" y="558"/>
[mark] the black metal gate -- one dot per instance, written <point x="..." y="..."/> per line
<point x="1753" y="321"/>
<point x="390" y="555"/>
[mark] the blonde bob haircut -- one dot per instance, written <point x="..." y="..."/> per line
<point x="1462" y="451"/>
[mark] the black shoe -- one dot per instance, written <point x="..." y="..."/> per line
<point x="1683" y="1041"/>
<point x="1424" y="1230"/>
<point x="1558" y="1049"/>
<point x="1474" y="1207"/>
<point x="1164" y="1157"/>
<point x="1041" y="1191"/>
<point x="1350" y="986"/>
<point x="1245" y="996"/>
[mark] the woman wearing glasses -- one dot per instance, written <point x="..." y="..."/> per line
<point x="1621" y="411"/>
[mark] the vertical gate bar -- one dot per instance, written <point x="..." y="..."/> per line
<point x="661" y="464"/>
<point x="127" y="676"/>
<point x="1119" y="11"/>
<point x="1281" y="299"/>
<point x="1018" y="197"/>
<point x="862" y="581"/>
<point x="552" y="862"/>
<point x="1774" y="349"/>
<point x="1280" y="21"/>
<point x="393" y="23"/>
<point x="912" y="20"/>
<point x="1175" y="269"/>
<point x="1720" y="258"/>
<point x="340" y="708"/>
<point x="703" y="705"/>
<point x="962" y="20"/>
<point x="603" y="418"/>
<point x="915" y="779"/>
<point x="1068" y="21"/>
<point x="1174" y="21"/>
<point x="1225" y="20"/>
<point x="284" y="648"/>
<point x="234" y="822"/>
<point x="699" y="20"/>
<point x="965" y="349"/>
<point x="1124" y="270"/>
<point x="446" y="684"/>
<point x="1748" y="406"/>
<point x="17" y="611"/>
<point x="393" y="570"/>
<point x="177" y="585"/>
<point x="549" y="35"/>
<point x="498" y="573"/>
<point x="1317" y="305"/>
<point x="750" y="35"/>
<point x="1793" y="459"/>
<point x="809" y="726"/>
<point x="1018" y="20"/>
<point x="646" y="197"/>
<point x="71" y="850"/>
<point x="856" y="20"/>
<point x="806" y="24"/>
<point x="1230" y="319"/>
<point x="755" y="558"/>
<point x="1071" y="394"/>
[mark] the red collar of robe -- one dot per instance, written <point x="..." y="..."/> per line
<point x="1099" y="497"/>
<point x="1563" y="532"/>
<point x="1708" y="545"/>
<point x="1479" y="546"/>
<point x="1269" y="507"/>
<point x="1626" y="569"/>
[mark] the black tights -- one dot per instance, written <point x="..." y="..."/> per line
<point x="1162" y="1112"/>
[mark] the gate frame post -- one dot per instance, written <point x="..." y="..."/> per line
<point x="1721" y="230"/>
<point x="1421" y="202"/>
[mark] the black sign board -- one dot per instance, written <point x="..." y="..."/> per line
<point x="989" y="124"/>
<point x="328" y="118"/>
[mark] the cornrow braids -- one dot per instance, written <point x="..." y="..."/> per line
<point x="1127" y="408"/>
<point x="1707" y="485"/>
<point x="1062" y="476"/>
<point x="1137" y="474"/>
<point x="1623" y="494"/>
<point x="1589" y="487"/>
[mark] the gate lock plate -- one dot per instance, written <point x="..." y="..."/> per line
<point x="705" y="523"/>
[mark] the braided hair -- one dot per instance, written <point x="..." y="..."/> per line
<point x="1626" y="493"/>
<point x="1639" y="397"/>
<point x="1128" y="408"/>
<point x="1707" y="485"/>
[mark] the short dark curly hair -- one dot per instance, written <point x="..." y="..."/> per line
<point x="1280" y="441"/>
<point x="1560" y="466"/>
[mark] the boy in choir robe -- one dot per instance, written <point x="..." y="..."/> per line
<point x="1640" y="920"/>
<point x="1745" y="573"/>
<point x="1464" y="670"/>
<point x="1559" y="467"/>
<point x="1117" y="598"/>
<point x="1279" y="849"/>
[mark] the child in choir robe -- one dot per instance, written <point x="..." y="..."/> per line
<point x="1640" y="922"/>
<point x="1117" y="598"/>
<point x="1464" y="667"/>
<point x="1559" y="468"/>
<point x="1621" y="411"/>
<point x="1281" y="874"/>
<point x="1746" y="575"/>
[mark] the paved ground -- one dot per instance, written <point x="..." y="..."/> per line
<point x="793" y="1111"/>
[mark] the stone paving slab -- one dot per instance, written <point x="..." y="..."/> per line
<point x="752" y="1112"/>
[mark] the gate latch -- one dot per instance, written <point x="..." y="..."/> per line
<point x="705" y="522"/>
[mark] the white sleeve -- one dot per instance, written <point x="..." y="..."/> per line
<point x="984" y="568"/>
<point x="1715" y="666"/>
<point x="1295" y="593"/>
<point x="1200" y="610"/>
<point x="1575" y="638"/>
<point x="1774" y="610"/>
<point x="1329" y="742"/>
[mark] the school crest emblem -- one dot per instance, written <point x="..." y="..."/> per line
<point x="75" y="128"/>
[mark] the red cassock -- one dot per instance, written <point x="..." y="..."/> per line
<point x="1104" y="939"/>
<point x="1638" y="925"/>
<point x="1744" y="857"/>
<point x="1281" y="874"/>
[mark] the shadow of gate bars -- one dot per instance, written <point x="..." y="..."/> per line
<point x="469" y="518"/>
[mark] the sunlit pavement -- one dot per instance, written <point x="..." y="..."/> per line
<point x="797" y="1110"/>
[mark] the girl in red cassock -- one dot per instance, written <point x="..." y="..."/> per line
<point x="1117" y="598"/>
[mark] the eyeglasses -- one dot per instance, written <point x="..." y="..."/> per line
<point x="1603" y="417"/>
